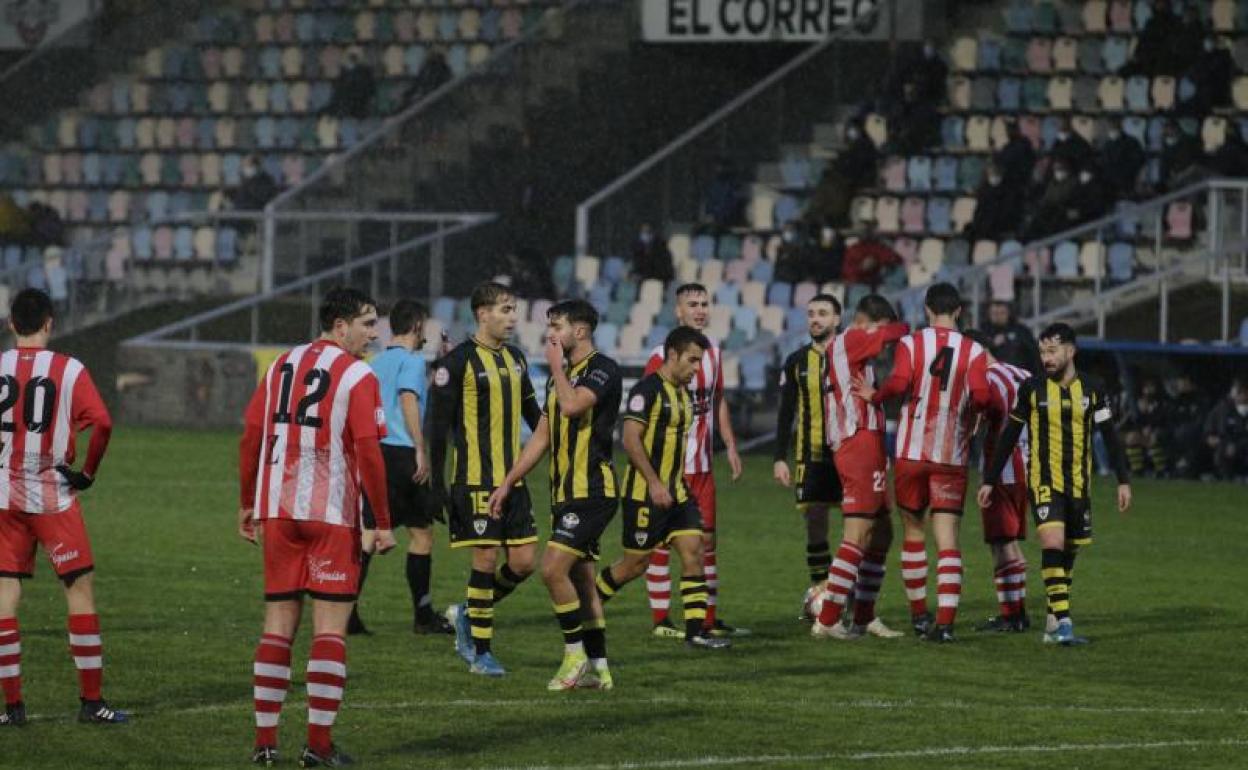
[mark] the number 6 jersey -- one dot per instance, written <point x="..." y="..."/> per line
<point x="314" y="403"/>
<point x="45" y="399"/>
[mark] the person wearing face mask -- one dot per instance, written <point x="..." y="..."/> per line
<point x="1122" y="157"/>
<point x="1090" y="200"/>
<point x="793" y="257"/>
<point x="651" y="257"/>
<point x="998" y="209"/>
<point x="1072" y="148"/>
<point x="1226" y="433"/>
<point x="1015" y="159"/>
<point x="1052" y="213"/>
<point x="256" y="188"/>
<point x="1211" y="73"/>
<point x="1182" y="158"/>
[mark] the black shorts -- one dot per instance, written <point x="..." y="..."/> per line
<point x="577" y="525"/>
<point x="817" y="483"/>
<point x="471" y="524"/>
<point x="646" y="527"/>
<point x="411" y="504"/>
<point x="1073" y="513"/>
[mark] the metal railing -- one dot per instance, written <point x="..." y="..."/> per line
<point x="668" y="185"/>
<point x="391" y="153"/>
<point x="381" y="273"/>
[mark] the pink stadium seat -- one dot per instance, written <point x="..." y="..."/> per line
<point x="1038" y="261"/>
<point x="893" y="174"/>
<point x="907" y="249"/>
<point x="1179" y="221"/>
<point x="888" y="214"/>
<point x="1001" y="281"/>
<point x="1040" y="55"/>
<point x="913" y="211"/>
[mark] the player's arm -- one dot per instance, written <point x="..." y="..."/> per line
<point x="1005" y="446"/>
<point x="411" y="382"/>
<point x="530" y="410"/>
<point x="977" y="381"/>
<point x="445" y="396"/>
<point x="784" y="421"/>
<point x="249" y="461"/>
<point x="366" y="425"/>
<point x="898" y="381"/>
<point x="573" y="401"/>
<point x="635" y="420"/>
<point x="724" y="416"/>
<point x="1103" y="419"/>
<point x="89" y="411"/>
<point x="530" y="456"/>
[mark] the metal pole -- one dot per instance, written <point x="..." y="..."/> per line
<point x="437" y="258"/>
<point x="255" y="324"/>
<point x="1035" y="289"/>
<point x="1096" y="285"/>
<point x="1163" y="320"/>
<point x="975" y="300"/>
<point x="582" y="229"/>
<point x="394" y="258"/>
<point x="266" y="262"/>
<point x="303" y="247"/>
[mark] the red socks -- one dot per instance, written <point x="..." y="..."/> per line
<point x="327" y="676"/>
<point x="85" y="647"/>
<point x="10" y="661"/>
<point x="271" y="680"/>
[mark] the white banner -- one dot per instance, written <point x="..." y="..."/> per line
<point x="752" y="21"/>
<point x="27" y="24"/>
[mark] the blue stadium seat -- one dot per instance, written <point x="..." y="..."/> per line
<point x="919" y="173"/>
<point x="702" y="248"/>
<point x="614" y="270"/>
<point x="780" y="294"/>
<point x="1066" y="260"/>
<point x="1018" y="16"/>
<point x="763" y="272"/>
<point x="754" y="371"/>
<point x="953" y="132"/>
<point x="1121" y="262"/>
<point x="728" y="294"/>
<point x="988" y="55"/>
<point x="945" y="174"/>
<point x="1009" y="94"/>
<point x="607" y="337"/>
<point x="938" y="216"/>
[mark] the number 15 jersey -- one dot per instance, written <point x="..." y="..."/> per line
<point x="313" y="404"/>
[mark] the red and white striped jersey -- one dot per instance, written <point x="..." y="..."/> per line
<point x="943" y="373"/>
<point x="313" y="404"/>
<point x="1004" y="380"/>
<point x="849" y="356"/>
<point x="45" y="399"/>
<point x="706" y="390"/>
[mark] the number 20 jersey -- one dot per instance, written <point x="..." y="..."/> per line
<point x="313" y="404"/>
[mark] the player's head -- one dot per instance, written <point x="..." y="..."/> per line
<point x="942" y="302"/>
<point x="407" y="319"/>
<point x="1239" y="394"/>
<point x="999" y="312"/>
<point x="31" y="313"/>
<point x="872" y="311"/>
<point x="571" y="323"/>
<point x="823" y="316"/>
<point x="984" y="342"/>
<point x="693" y="305"/>
<point x="1057" y="349"/>
<point x="349" y="318"/>
<point x="494" y="306"/>
<point x="682" y="353"/>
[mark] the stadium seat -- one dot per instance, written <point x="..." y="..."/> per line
<point x="983" y="94"/>
<point x="753" y="294"/>
<point x="728" y="294"/>
<point x="919" y="173"/>
<point x="1038" y="261"/>
<point x="803" y="293"/>
<point x="762" y="272"/>
<point x="938" y="218"/>
<point x="912" y="215"/>
<point x="893" y="174"/>
<point x="963" y="56"/>
<point x="957" y="253"/>
<point x="1009" y="94"/>
<point x="1179" y="221"/>
<point x="1163" y="92"/>
<point x="1066" y="260"/>
<point x="1061" y="93"/>
<point x="1001" y="282"/>
<point x="1040" y="55"/>
<point x="931" y="254"/>
<point x="952" y="132"/>
<point x="1121" y="262"/>
<point x="887" y="214"/>
<point x="1137" y="94"/>
<point x="1092" y="259"/>
<point x="945" y="174"/>
<point x="1213" y="132"/>
<point x="984" y="252"/>
<point x="780" y="294"/>
<point x="1093" y="17"/>
<point x="988" y="55"/>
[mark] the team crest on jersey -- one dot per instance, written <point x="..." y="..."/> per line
<point x="570" y="520"/>
<point x="1085" y="403"/>
<point x="1042" y="512"/>
<point x="479" y="526"/>
<point x="441" y="377"/>
<point x="641" y="538"/>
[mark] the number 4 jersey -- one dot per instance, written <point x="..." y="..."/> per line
<point x="45" y="399"/>
<point x="307" y="415"/>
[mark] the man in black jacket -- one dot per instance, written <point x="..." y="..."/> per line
<point x="1012" y="342"/>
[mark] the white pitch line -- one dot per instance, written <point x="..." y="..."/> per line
<point x="866" y="756"/>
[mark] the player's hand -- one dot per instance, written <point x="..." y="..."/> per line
<point x="985" y="495"/>
<point x="497" y="499"/>
<point x="661" y="496"/>
<point x="422" y="466"/>
<point x="384" y="542"/>
<point x="77" y="480"/>
<point x="554" y="354"/>
<point x="734" y="463"/>
<point x="247" y="526"/>
<point x="437" y="501"/>
<point x="862" y="389"/>
<point x="368" y="540"/>
<point x="780" y="472"/>
<point x="1124" y="497"/>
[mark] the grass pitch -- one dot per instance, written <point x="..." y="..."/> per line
<point x="1161" y="594"/>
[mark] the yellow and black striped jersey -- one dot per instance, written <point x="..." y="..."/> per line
<point x="666" y="411"/>
<point x="1059" y="420"/>
<point x="581" y="447"/>
<point x="477" y="398"/>
<point x="803" y="387"/>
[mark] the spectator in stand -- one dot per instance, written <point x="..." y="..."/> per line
<point x="46" y="226"/>
<point x="1091" y="199"/>
<point x="1188" y="410"/>
<point x="1123" y="158"/>
<point x="1185" y="43"/>
<point x="1182" y="158"/>
<point x="827" y="256"/>
<point x="14" y="221"/>
<point x="998" y="209"/>
<point x="1011" y="341"/>
<point x="925" y="68"/>
<point x="651" y="257"/>
<point x="913" y="125"/>
<point x="1053" y="211"/>
<point x="854" y="168"/>
<point x="869" y="261"/>
<point x="1153" y="44"/>
<point x="1072" y="148"/>
<point x="1211" y="73"/>
<point x="354" y="89"/>
<point x="434" y="73"/>
<point x="793" y="257"/>
<point x="1226" y="433"/>
<point x="722" y="206"/>
<point x="1015" y="159"/>
<point x="931" y="75"/>
<point x="1231" y="159"/>
<point x="256" y="189"/>
<point x="1145" y="430"/>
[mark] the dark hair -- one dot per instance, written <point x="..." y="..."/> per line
<point x="691" y="288"/>
<point x="30" y="310"/>
<point x="489" y="294"/>
<point x="828" y="298"/>
<point x="680" y="338"/>
<point x="876" y="308"/>
<point x="575" y="311"/>
<point x="406" y="315"/>
<point x="1003" y="302"/>
<point x="342" y="302"/>
<point x="1060" y="332"/>
<point x="942" y="299"/>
